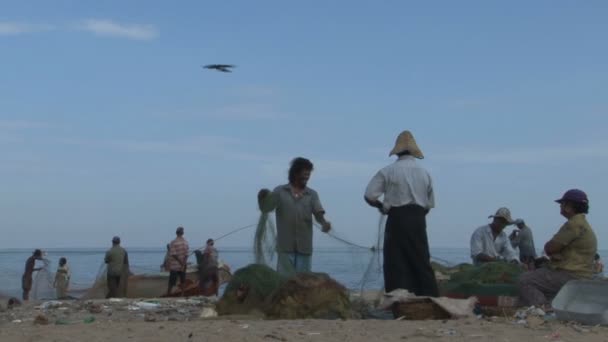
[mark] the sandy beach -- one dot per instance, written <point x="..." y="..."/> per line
<point x="180" y="320"/>
<point x="301" y="330"/>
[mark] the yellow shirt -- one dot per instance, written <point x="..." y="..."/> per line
<point x="580" y="246"/>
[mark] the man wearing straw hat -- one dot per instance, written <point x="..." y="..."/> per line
<point x="490" y="242"/>
<point x="407" y="192"/>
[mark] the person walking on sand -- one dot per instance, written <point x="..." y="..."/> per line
<point x="295" y="205"/>
<point x="30" y="268"/>
<point x="117" y="261"/>
<point x="62" y="279"/>
<point x="178" y="261"/>
<point x="408" y="197"/>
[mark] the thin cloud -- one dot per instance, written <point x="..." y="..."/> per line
<point x="109" y="28"/>
<point x="256" y="91"/>
<point x="529" y="155"/>
<point x="324" y="168"/>
<point x="15" y="28"/>
<point x="21" y="124"/>
<point x="207" y="145"/>
<point x="248" y="111"/>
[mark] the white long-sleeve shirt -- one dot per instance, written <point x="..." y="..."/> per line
<point x="402" y="182"/>
<point x="483" y="242"/>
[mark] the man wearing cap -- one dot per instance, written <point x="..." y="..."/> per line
<point x="408" y="196"/>
<point x="26" y="279"/>
<point x="178" y="261"/>
<point x="118" y="265"/>
<point x="522" y="238"/>
<point x="571" y="252"/>
<point x="295" y="205"/>
<point x="490" y="242"/>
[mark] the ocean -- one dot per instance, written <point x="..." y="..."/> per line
<point x="347" y="266"/>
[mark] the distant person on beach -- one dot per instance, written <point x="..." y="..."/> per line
<point x="598" y="265"/>
<point x="522" y="238"/>
<point x="408" y="197"/>
<point x="62" y="279"/>
<point x="490" y="243"/>
<point x="178" y="261"/>
<point x="164" y="267"/>
<point x="117" y="261"/>
<point x="209" y="280"/>
<point x="27" y="279"/>
<point x="571" y="251"/>
<point x="295" y="205"/>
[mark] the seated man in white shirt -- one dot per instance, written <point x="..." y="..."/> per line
<point x="491" y="243"/>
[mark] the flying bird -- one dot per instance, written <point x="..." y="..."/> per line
<point x="220" y="67"/>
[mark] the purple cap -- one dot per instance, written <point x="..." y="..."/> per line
<point x="574" y="195"/>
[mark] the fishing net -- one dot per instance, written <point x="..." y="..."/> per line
<point x="368" y="261"/>
<point x="100" y="286"/>
<point x="42" y="282"/>
<point x="264" y="250"/>
<point x="249" y="290"/>
<point x="310" y="296"/>
<point x="492" y="279"/>
<point x="365" y="259"/>
<point x="489" y="273"/>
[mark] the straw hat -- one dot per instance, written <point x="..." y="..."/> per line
<point x="504" y="213"/>
<point x="406" y="142"/>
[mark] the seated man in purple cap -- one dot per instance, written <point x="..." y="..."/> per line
<point x="571" y="252"/>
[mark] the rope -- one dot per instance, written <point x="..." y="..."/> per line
<point x="343" y="240"/>
<point x="228" y="234"/>
<point x="235" y="231"/>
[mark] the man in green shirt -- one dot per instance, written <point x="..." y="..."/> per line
<point x="571" y="251"/>
<point x="117" y="261"/>
<point x="295" y="205"/>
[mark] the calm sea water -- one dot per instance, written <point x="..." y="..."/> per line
<point x="345" y="265"/>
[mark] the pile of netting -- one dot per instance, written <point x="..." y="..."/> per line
<point x="259" y="290"/>
<point x="492" y="278"/>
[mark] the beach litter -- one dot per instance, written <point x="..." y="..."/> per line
<point x="50" y="305"/>
<point x="554" y="336"/>
<point x="208" y="312"/>
<point x="147" y="305"/>
<point x="41" y="320"/>
<point x="406" y="305"/>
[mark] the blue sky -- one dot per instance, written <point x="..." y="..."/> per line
<point x="108" y="124"/>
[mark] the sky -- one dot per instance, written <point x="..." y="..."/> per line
<point x="109" y="125"/>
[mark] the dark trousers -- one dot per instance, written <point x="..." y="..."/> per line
<point x="26" y="285"/>
<point x="113" y="284"/>
<point x="407" y="260"/>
